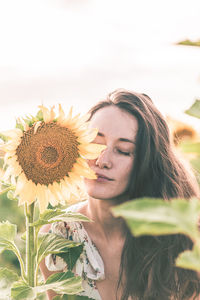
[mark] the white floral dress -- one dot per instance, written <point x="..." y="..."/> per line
<point x="89" y="265"/>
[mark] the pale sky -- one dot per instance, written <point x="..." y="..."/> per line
<point x="74" y="52"/>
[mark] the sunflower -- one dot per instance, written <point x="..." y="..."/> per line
<point x="47" y="157"/>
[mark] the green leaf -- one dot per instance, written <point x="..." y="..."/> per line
<point x="196" y="164"/>
<point x="10" y="195"/>
<point x="8" y="231"/>
<point x="71" y="256"/>
<point x="7" y="278"/>
<point x="58" y="215"/>
<point x="189" y="259"/>
<point x="189" y="43"/>
<point x="62" y="283"/>
<point x="189" y="147"/>
<point x="53" y="244"/>
<point x="150" y="216"/>
<point x="194" y="110"/>
<point x="22" y="291"/>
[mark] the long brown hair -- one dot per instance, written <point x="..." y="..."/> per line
<point x="148" y="262"/>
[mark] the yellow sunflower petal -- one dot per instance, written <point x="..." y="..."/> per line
<point x="88" y="137"/>
<point x="68" y="183"/>
<point x="48" y="115"/>
<point x="69" y="117"/>
<point x="14" y="133"/>
<point x="79" y="121"/>
<point x="36" y="126"/>
<point x="10" y="146"/>
<point x="61" y="116"/>
<point x="88" y="173"/>
<point x="41" y="197"/>
<point x="51" y="198"/>
<point x="9" y="155"/>
<point x="21" y="181"/>
<point x="91" y="151"/>
<point x="27" y="194"/>
<point x="55" y="188"/>
<point x="7" y="173"/>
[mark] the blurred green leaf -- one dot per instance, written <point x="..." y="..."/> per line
<point x="62" y="283"/>
<point x="8" y="231"/>
<point x="150" y="216"/>
<point x="189" y="147"/>
<point x="189" y="259"/>
<point x="22" y="291"/>
<point x="196" y="164"/>
<point x="10" y="195"/>
<point x="58" y="215"/>
<point x="194" y="110"/>
<point x="7" y="278"/>
<point x="189" y="43"/>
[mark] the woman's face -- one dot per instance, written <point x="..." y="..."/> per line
<point x="117" y="130"/>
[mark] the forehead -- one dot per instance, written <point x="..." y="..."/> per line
<point x="114" y="122"/>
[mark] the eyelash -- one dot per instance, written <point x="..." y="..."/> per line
<point x="124" y="153"/>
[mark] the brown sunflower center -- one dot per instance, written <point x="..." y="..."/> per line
<point x="49" y="154"/>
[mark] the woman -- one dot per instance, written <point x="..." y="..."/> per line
<point x="137" y="162"/>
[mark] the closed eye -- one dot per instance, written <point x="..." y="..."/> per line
<point x="123" y="152"/>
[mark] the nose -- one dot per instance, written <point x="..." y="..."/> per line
<point x="104" y="160"/>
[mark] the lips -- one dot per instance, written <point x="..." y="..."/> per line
<point x="103" y="177"/>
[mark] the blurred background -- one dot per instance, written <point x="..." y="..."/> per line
<point x="75" y="52"/>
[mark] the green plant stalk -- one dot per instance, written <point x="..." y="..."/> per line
<point x="23" y="274"/>
<point x="37" y="263"/>
<point x="30" y="245"/>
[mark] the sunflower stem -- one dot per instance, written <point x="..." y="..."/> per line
<point x="30" y="245"/>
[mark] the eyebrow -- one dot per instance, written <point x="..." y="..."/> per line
<point x="120" y="139"/>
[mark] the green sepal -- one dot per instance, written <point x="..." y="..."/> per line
<point x="150" y="216"/>
<point x="19" y="126"/>
<point x="194" y="110"/>
<point x="7" y="278"/>
<point x="39" y="115"/>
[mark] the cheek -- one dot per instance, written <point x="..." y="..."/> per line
<point x="125" y="169"/>
<point x="91" y="162"/>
